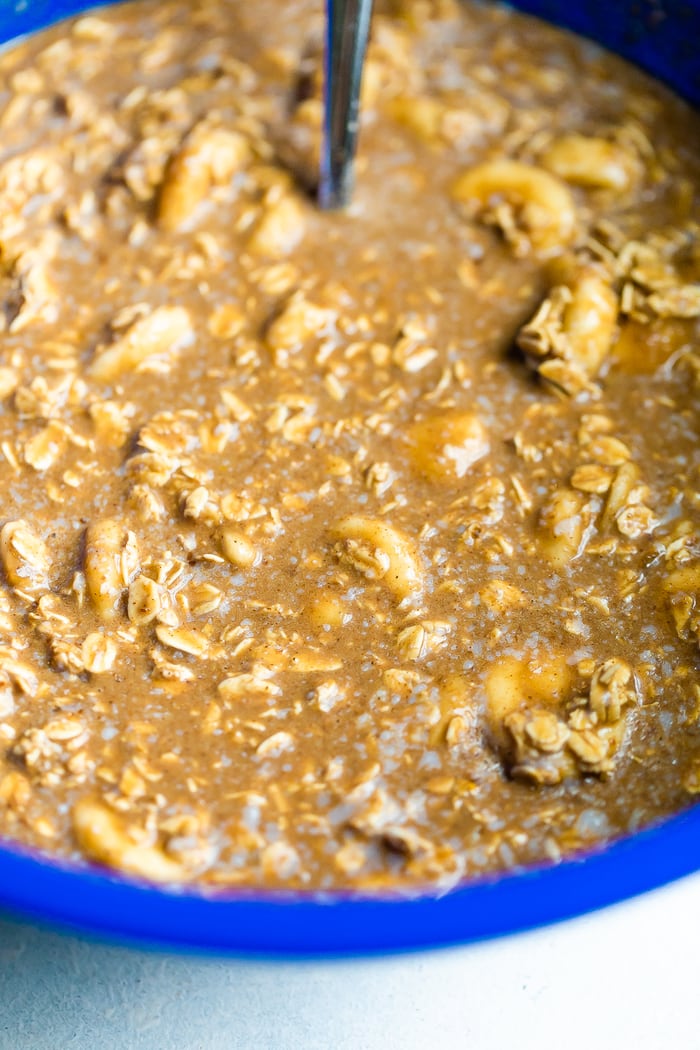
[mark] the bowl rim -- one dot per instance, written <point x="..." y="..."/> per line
<point x="287" y="924"/>
<point x="103" y="904"/>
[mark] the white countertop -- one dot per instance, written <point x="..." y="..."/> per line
<point x="624" y="978"/>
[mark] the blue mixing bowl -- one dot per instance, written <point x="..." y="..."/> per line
<point x="663" y="36"/>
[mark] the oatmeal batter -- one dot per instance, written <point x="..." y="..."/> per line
<point x="344" y="550"/>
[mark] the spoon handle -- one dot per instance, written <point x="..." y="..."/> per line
<point x="347" y="28"/>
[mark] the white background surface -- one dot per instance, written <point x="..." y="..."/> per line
<point x="628" y="977"/>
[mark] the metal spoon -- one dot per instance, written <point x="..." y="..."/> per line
<point x="347" y="27"/>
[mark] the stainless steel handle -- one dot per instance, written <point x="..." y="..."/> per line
<point x="347" y="28"/>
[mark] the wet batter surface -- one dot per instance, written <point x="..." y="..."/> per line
<point x="344" y="550"/>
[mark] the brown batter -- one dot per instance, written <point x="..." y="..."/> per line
<point x="344" y="549"/>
